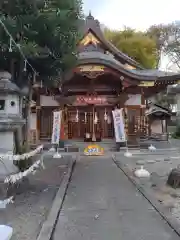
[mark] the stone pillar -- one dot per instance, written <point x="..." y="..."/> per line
<point x="178" y="108"/>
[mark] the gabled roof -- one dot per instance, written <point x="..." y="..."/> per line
<point x="156" y="110"/>
<point x="108" y="60"/>
<point x="92" y="25"/>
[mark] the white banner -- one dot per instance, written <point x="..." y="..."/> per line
<point x="119" y="125"/>
<point x="56" y="127"/>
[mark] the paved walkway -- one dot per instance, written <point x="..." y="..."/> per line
<point x="101" y="204"/>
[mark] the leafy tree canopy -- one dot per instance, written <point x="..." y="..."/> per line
<point x="136" y="45"/>
<point x="46" y="31"/>
<point x="167" y="38"/>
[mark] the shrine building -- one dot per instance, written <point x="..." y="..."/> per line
<point x="103" y="79"/>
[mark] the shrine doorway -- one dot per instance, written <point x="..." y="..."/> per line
<point x="90" y="119"/>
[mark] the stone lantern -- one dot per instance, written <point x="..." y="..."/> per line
<point x="11" y="120"/>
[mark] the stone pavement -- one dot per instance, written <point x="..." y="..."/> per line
<point x="31" y="207"/>
<point x="102" y="204"/>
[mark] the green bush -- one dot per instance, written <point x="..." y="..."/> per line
<point x="176" y="134"/>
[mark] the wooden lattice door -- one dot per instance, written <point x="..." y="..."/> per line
<point x="134" y="121"/>
<point x="77" y="127"/>
<point x="46" y="123"/>
<point x="106" y="123"/>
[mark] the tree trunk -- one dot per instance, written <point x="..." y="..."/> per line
<point x="28" y="115"/>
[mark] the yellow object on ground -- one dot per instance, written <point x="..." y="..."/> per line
<point x="94" y="150"/>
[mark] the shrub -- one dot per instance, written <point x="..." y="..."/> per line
<point x="23" y="164"/>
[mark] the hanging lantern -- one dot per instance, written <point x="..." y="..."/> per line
<point x="77" y="116"/>
<point x="85" y="117"/>
<point x="95" y="118"/>
<point x="105" y="115"/>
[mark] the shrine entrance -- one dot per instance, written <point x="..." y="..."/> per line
<point x="92" y="120"/>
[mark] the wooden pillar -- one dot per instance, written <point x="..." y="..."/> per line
<point x="142" y="113"/>
<point x="38" y="117"/>
<point x="65" y="122"/>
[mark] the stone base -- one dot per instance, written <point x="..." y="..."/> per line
<point x="7" y="168"/>
<point x="6" y="142"/>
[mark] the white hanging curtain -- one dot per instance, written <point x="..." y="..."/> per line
<point x="95" y="118"/>
<point x="77" y="116"/>
<point x="85" y="117"/>
<point x="105" y="116"/>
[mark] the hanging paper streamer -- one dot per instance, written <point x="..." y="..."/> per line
<point x="25" y="66"/>
<point x="95" y="118"/>
<point x="16" y="177"/>
<point x="85" y="117"/>
<point x="105" y="116"/>
<point x="77" y="116"/>
<point x="24" y="156"/>
<point x="10" y="45"/>
<point x="5" y="202"/>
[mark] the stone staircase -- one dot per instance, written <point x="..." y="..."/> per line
<point x="109" y="145"/>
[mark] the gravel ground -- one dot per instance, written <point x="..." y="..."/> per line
<point x="159" y="165"/>
<point x="31" y="207"/>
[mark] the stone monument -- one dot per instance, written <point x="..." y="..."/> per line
<point x="11" y="121"/>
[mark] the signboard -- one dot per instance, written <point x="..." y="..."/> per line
<point x="91" y="68"/>
<point x="146" y="84"/>
<point x="93" y="150"/>
<point x="56" y="127"/>
<point x="119" y="125"/>
<point x="91" y="100"/>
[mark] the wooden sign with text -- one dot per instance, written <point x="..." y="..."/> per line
<point x="90" y="100"/>
<point x="91" y="68"/>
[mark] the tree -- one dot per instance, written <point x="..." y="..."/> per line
<point x="46" y="31"/>
<point x="167" y="38"/>
<point x="136" y="45"/>
<point x="165" y="100"/>
<point x="45" y="35"/>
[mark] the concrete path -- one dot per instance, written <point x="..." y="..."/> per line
<point x="101" y="204"/>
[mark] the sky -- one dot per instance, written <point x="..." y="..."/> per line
<point x="138" y="14"/>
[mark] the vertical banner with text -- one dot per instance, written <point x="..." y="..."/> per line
<point x="56" y="127"/>
<point x="119" y="125"/>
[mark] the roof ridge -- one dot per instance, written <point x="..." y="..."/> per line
<point x="94" y="25"/>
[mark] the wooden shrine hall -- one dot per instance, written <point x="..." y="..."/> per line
<point x="103" y="79"/>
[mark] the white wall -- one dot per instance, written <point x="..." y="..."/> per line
<point x="48" y="101"/>
<point x="134" y="99"/>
